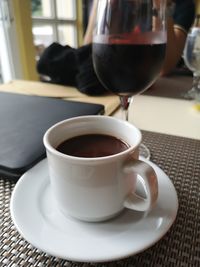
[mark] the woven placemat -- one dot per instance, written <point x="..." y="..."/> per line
<point x="180" y="159"/>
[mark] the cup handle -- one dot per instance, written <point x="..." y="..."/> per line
<point x="148" y="179"/>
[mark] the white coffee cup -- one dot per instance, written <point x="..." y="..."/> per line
<point x="97" y="189"/>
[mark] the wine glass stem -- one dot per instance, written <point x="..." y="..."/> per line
<point x="194" y="92"/>
<point x="196" y="86"/>
<point x="125" y="102"/>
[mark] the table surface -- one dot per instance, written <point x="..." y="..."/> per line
<point x="163" y="109"/>
<point x="179" y="157"/>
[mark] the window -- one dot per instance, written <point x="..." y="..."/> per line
<point x="10" y="64"/>
<point x="54" y="21"/>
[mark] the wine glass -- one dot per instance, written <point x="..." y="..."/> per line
<point x="191" y="56"/>
<point x="129" y="43"/>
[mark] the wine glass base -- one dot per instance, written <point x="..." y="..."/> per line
<point x="144" y="152"/>
<point x="190" y="94"/>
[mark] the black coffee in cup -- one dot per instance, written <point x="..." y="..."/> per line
<point x="92" y="146"/>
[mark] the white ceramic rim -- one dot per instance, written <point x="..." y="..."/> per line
<point x="52" y="150"/>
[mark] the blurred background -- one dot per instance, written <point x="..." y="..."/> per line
<point x="27" y="27"/>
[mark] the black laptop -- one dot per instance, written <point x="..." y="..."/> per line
<point x="23" y="122"/>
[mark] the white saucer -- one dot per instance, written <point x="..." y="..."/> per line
<point x="40" y="223"/>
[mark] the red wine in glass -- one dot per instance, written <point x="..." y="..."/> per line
<point x="129" y="44"/>
<point x="128" y="69"/>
